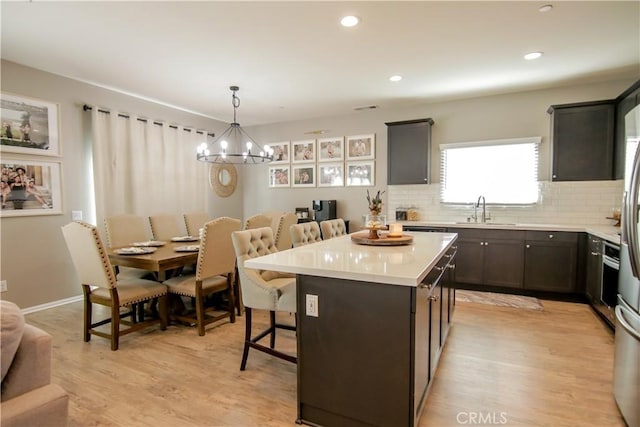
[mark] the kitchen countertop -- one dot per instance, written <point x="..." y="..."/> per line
<point x="341" y="258"/>
<point x="607" y="232"/>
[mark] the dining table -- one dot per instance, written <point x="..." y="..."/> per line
<point x="171" y="256"/>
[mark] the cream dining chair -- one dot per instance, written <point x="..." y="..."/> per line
<point x="258" y="221"/>
<point x="263" y="290"/>
<point x="214" y="273"/>
<point x="99" y="286"/>
<point x="123" y="230"/>
<point x="305" y="233"/>
<point x="283" y="236"/>
<point x="164" y="227"/>
<point x="333" y="228"/>
<point x="194" y="221"/>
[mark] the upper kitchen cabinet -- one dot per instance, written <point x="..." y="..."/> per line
<point x="582" y="141"/>
<point x="408" y="151"/>
<point x="624" y="103"/>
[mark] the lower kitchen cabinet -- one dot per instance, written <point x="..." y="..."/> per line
<point x="551" y="260"/>
<point x="490" y="257"/>
<point x="594" y="269"/>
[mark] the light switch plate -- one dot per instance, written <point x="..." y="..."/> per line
<point x="76" y="215"/>
<point x="312" y="305"/>
<point x="3" y="286"/>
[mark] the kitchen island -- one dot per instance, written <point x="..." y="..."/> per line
<point x="371" y="322"/>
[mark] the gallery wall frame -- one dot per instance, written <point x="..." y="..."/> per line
<point x="361" y="147"/>
<point x="303" y="151"/>
<point x="30" y="187"/>
<point x="331" y="149"/>
<point x="331" y="175"/>
<point x="279" y="176"/>
<point x="29" y="126"/>
<point x="303" y="175"/>
<point x="361" y="174"/>
<point x="281" y="152"/>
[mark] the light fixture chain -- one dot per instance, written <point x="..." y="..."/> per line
<point x="236" y="103"/>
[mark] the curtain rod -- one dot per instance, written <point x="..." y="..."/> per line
<point x="86" y="107"/>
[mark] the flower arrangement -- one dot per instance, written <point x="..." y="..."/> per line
<point x="375" y="203"/>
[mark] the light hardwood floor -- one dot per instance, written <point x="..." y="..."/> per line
<point x="519" y="367"/>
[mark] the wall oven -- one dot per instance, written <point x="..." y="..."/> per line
<point x="610" y="273"/>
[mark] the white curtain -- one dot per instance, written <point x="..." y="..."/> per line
<point x="143" y="168"/>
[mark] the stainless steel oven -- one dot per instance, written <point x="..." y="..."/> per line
<point x="610" y="272"/>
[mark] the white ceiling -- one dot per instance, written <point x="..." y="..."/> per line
<point x="293" y="60"/>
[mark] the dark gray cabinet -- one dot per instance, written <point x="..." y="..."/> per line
<point x="624" y="103"/>
<point x="594" y="268"/>
<point x="490" y="257"/>
<point x="583" y="141"/>
<point x="408" y="151"/>
<point x="551" y="260"/>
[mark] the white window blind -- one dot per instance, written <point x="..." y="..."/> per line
<point x="504" y="171"/>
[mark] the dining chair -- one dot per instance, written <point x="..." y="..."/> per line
<point x="214" y="273"/>
<point x="123" y="230"/>
<point x="263" y="290"/>
<point x="164" y="226"/>
<point x="194" y="221"/>
<point x="100" y="286"/>
<point x="305" y="233"/>
<point x="333" y="228"/>
<point x="283" y="236"/>
<point x="258" y="221"/>
<point x="275" y="216"/>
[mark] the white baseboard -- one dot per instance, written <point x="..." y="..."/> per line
<point x="52" y="304"/>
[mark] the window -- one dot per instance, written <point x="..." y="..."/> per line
<point x="504" y="171"/>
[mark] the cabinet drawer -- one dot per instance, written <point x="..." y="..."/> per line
<point x="553" y="236"/>
<point x="480" y="233"/>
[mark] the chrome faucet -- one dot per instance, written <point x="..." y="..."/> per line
<point x="484" y="210"/>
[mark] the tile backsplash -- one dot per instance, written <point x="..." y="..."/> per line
<point x="575" y="202"/>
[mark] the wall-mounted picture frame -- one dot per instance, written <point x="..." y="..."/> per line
<point x="361" y="174"/>
<point x="279" y="176"/>
<point x="331" y="149"/>
<point x="304" y="175"/>
<point x="303" y="151"/>
<point x="30" y="187"/>
<point x="361" y="147"/>
<point x="29" y="126"/>
<point x="331" y="175"/>
<point x="281" y="152"/>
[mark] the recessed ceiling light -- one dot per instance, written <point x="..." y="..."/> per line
<point x="395" y="78"/>
<point x="545" y="8"/>
<point x="350" y="21"/>
<point x="532" y="55"/>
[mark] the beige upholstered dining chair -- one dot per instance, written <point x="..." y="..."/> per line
<point x="263" y="290"/>
<point x="125" y="229"/>
<point x="257" y="221"/>
<point x="214" y="273"/>
<point x="194" y="221"/>
<point x="333" y="228"/>
<point x="99" y="286"/>
<point x="305" y="233"/>
<point x="164" y="227"/>
<point x="283" y="236"/>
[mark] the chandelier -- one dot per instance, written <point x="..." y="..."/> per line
<point x="234" y="145"/>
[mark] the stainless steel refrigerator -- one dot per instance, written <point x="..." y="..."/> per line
<point x="626" y="376"/>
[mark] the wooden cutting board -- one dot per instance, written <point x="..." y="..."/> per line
<point x="384" y="240"/>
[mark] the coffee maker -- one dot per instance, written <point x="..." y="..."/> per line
<point x="324" y="209"/>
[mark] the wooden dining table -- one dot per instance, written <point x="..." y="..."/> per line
<point x="165" y="258"/>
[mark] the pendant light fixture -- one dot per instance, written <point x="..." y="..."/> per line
<point x="234" y="145"/>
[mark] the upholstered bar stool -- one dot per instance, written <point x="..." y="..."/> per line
<point x="305" y="233"/>
<point x="333" y="228"/>
<point x="263" y="290"/>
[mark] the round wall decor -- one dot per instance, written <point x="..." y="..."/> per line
<point x="223" y="178"/>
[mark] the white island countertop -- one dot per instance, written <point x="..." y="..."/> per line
<point x="341" y="258"/>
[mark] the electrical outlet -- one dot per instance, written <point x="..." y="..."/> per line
<point x="76" y="215"/>
<point x="3" y="286"/>
<point x="312" y="305"/>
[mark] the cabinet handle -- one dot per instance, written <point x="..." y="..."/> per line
<point x="554" y="176"/>
<point x="433" y="298"/>
<point x="481" y="243"/>
<point x="451" y="266"/>
<point x="447" y="255"/>
<point x="595" y="240"/>
<point x="425" y="285"/>
<point x="425" y="180"/>
<point x="438" y="268"/>
<point x="486" y="243"/>
<point x="551" y="236"/>
<point x="595" y="253"/>
<point x="454" y="247"/>
<point x="527" y="246"/>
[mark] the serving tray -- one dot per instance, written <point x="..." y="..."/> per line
<point x="383" y="240"/>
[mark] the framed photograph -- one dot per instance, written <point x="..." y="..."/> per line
<point x="303" y="151"/>
<point x="361" y="147"/>
<point x="331" y="149"/>
<point x="281" y="152"/>
<point x="361" y="174"/>
<point x="304" y="176"/>
<point x="279" y="176"/>
<point x="30" y="187"/>
<point x="29" y="126"/>
<point x="331" y="175"/>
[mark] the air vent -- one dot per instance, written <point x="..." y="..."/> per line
<point x="366" y="107"/>
<point x="316" y="132"/>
